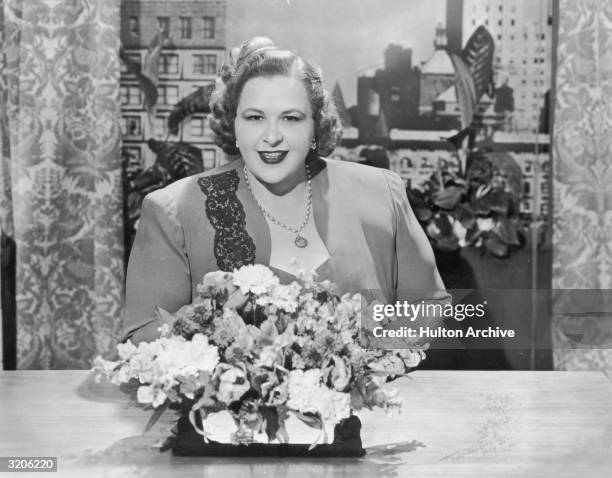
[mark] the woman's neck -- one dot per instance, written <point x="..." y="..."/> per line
<point x="285" y="201"/>
<point x="286" y="189"/>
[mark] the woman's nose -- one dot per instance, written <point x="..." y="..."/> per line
<point x="273" y="136"/>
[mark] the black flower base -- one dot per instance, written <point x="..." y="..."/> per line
<point x="347" y="443"/>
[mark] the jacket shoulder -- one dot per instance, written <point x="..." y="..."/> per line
<point x="183" y="189"/>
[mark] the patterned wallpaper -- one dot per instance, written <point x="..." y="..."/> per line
<point x="61" y="192"/>
<point x="582" y="185"/>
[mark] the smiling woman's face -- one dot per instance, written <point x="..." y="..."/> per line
<point x="274" y="129"/>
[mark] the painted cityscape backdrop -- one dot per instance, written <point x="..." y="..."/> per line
<point x="404" y="106"/>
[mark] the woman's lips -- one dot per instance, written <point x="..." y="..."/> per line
<point x="272" y="157"/>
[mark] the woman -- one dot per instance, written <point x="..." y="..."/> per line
<point x="277" y="202"/>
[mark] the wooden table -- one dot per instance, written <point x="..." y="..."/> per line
<point x="454" y="424"/>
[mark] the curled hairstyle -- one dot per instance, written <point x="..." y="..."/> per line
<point x="260" y="57"/>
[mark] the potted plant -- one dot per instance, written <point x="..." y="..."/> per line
<point x="475" y="207"/>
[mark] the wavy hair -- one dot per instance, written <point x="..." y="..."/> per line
<point x="260" y="57"/>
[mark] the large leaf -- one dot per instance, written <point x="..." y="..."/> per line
<point x="473" y="234"/>
<point x="497" y="247"/>
<point x="420" y="204"/>
<point x="150" y="67"/>
<point x="465" y="215"/>
<point x="196" y="102"/>
<point x="447" y="243"/>
<point x="464" y="89"/>
<point x="148" y="87"/>
<point x="479" y="168"/>
<point x="478" y="53"/>
<point x="449" y="197"/>
<point x="500" y="202"/>
<point x="444" y="224"/>
<point x="157" y="413"/>
<point x="423" y="214"/>
<point x="147" y="74"/>
<point x="473" y="72"/>
<point x="176" y="160"/>
<point x="507" y="231"/>
<point x="457" y="139"/>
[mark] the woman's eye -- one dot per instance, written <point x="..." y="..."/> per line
<point x="292" y="118"/>
<point x="253" y="117"/>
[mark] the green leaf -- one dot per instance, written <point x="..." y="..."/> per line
<point x="164" y="316"/>
<point x="506" y="230"/>
<point x="176" y="160"/>
<point x="444" y="224"/>
<point x="448" y="198"/>
<point x="464" y="88"/>
<point x="272" y="421"/>
<point x="157" y="413"/>
<point x="478" y="53"/>
<point x="146" y="74"/>
<point x="130" y="388"/>
<point x="447" y="243"/>
<point x="496" y="247"/>
<point x="311" y="419"/>
<point x="423" y="214"/>
<point x="499" y="201"/>
<point x="473" y="234"/>
<point x="196" y="102"/>
<point x="465" y="215"/>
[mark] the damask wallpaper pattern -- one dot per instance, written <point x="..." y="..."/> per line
<point x="582" y="186"/>
<point x="61" y="193"/>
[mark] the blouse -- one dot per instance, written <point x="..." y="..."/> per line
<point x="210" y="221"/>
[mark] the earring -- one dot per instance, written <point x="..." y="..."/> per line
<point x="313" y="144"/>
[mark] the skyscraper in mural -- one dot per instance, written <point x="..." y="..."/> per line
<point x="193" y="50"/>
<point x="523" y="49"/>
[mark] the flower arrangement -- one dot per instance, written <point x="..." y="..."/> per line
<point x="261" y="350"/>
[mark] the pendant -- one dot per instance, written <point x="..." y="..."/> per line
<point x="300" y="241"/>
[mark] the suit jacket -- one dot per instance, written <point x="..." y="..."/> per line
<point x="210" y="222"/>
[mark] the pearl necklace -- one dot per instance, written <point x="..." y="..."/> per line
<point x="300" y="241"/>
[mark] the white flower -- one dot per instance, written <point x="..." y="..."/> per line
<point x="145" y="394"/>
<point x="308" y="395"/>
<point x="204" y="354"/>
<point x="392" y="400"/>
<point x="432" y="229"/>
<point x="185" y="358"/>
<point x="411" y="358"/>
<point x="303" y="390"/>
<point x="255" y="278"/>
<point x="485" y="223"/>
<point x="217" y="280"/>
<point x="151" y="396"/>
<point x="160" y="398"/>
<point x="270" y="356"/>
<point x="334" y="406"/>
<point x="103" y="367"/>
<point x="284" y="297"/>
<point x="460" y="232"/>
<point x="305" y="275"/>
<point x="126" y="350"/>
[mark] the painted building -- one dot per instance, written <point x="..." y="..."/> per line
<point x="390" y="98"/>
<point x="192" y="53"/>
<point x="523" y="49"/>
<point x="437" y="73"/>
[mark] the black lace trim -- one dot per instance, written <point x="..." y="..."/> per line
<point x="233" y="246"/>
